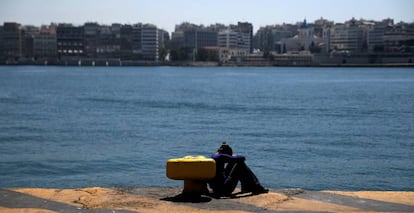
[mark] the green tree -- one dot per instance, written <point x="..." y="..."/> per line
<point x="163" y="53"/>
<point x="180" y="54"/>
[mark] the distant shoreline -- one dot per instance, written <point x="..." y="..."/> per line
<point x="203" y="64"/>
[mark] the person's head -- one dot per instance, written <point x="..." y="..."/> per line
<point x="225" y="149"/>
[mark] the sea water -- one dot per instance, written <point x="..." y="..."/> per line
<point x="313" y="128"/>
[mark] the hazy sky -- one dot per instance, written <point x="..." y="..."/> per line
<point x="166" y="13"/>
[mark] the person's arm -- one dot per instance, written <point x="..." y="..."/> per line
<point x="229" y="158"/>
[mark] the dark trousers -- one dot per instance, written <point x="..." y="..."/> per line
<point x="239" y="172"/>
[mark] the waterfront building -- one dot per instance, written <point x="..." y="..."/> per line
<point x="126" y="41"/>
<point x="263" y="39"/>
<point x="305" y="40"/>
<point x="136" y="41"/>
<point x="228" y="54"/>
<point x="221" y="54"/>
<point x="45" y="45"/>
<point x="348" y="37"/>
<point x="321" y="24"/>
<point x="28" y="33"/>
<point x="163" y="38"/>
<point x="375" y="38"/>
<point x="70" y="41"/>
<point x="139" y="42"/>
<point x="12" y="42"/>
<point x="2" y="57"/>
<point x="94" y="42"/>
<point x="180" y="40"/>
<point x="199" y="36"/>
<point x="269" y="38"/>
<point x="108" y="44"/>
<point x="229" y="39"/>
<point x="293" y="58"/>
<point x="326" y="38"/>
<point x="177" y="40"/>
<point x="150" y="50"/>
<point x="190" y="38"/>
<point x="399" y="38"/>
<point x="237" y="36"/>
<point x="246" y="31"/>
<point x="278" y="35"/>
<point x="91" y="32"/>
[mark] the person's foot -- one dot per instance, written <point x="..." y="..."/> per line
<point x="260" y="190"/>
<point x="221" y="195"/>
<point x="257" y="190"/>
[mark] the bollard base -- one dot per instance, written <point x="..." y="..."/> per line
<point x="195" y="187"/>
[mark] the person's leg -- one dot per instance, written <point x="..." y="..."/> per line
<point x="231" y="180"/>
<point x="248" y="180"/>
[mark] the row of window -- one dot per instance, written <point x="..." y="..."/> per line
<point x="70" y="44"/>
<point x="71" y="51"/>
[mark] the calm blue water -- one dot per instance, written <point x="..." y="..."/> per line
<point x="314" y="128"/>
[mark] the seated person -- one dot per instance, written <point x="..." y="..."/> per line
<point x="229" y="170"/>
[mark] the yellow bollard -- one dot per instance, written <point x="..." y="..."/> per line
<point x="194" y="170"/>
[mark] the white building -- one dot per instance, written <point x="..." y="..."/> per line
<point x="347" y="37"/>
<point x="231" y="39"/>
<point x="145" y="41"/>
<point x="228" y="38"/>
<point x="305" y="40"/>
<point x="226" y="54"/>
<point x="150" y="42"/>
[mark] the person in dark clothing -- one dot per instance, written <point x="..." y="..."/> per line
<point x="230" y="169"/>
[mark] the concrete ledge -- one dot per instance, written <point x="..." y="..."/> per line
<point x="98" y="199"/>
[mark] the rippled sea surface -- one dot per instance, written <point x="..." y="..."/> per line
<point x="314" y="128"/>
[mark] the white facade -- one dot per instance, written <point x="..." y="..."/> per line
<point x="347" y="37"/>
<point x="231" y="39"/>
<point x="145" y="41"/>
<point x="303" y="41"/>
<point x="228" y="38"/>
<point x="149" y="39"/>
<point x="226" y="54"/>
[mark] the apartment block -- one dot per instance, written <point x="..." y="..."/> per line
<point x="237" y="36"/>
<point x="70" y="41"/>
<point x="347" y="37"/>
<point x="90" y="36"/>
<point x="246" y="31"/>
<point x="108" y="44"/>
<point x="12" y="40"/>
<point x="149" y="42"/>
<point x="45" y="44"/>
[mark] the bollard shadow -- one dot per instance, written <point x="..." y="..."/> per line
<point x="204" y="198"/>
<point x="211" y="202"/>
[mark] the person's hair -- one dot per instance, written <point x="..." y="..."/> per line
<point x="225" y="149"/>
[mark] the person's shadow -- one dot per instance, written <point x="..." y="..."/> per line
<point x="203" y="198"/>
<point x="188" y="198"/>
